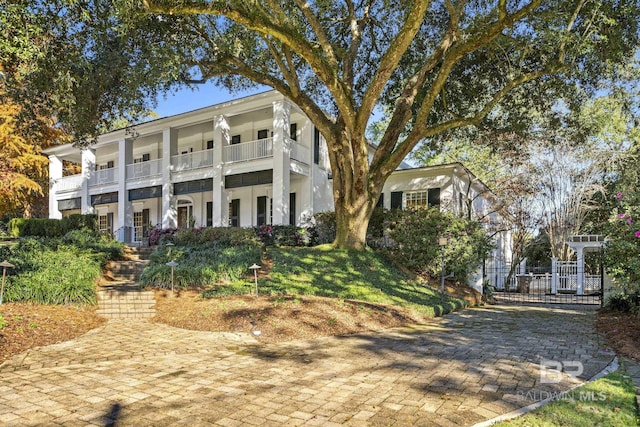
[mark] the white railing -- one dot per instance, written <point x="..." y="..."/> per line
<point x="144" y="169"/>
<point x="69" y="183"/>
<point x="194" y="160"/>
<point x="104" y="176"/>
<point x="299" y="152"/>
<point x="249" y="150"/>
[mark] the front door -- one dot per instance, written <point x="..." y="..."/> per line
<point x="184" y="216"/>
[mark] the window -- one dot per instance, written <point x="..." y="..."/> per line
<point x="234" y="213"/>
<point x="235" y="139"/>
<point x="396" y="200"/>
<point x="263" y="134"/>
<point x="415" y="200"/>
<point x="105" y="223"/>
<point x="140" y="224"/>
<point x="293" y="131"/>
<point x="210" y="144"/>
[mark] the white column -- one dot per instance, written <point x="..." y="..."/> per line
<point x="88" y="169"/>
<point x="169" y="148"/>
<point x="281" y="160"/>
<point x="306" y="199"/>
<point x="580" y="269"/>
<point x="55" y="173"/>
<point x="221" y="132"/>
<point x="523" y="266"/>
<point x="554" y="276"/>
<point x="125" y="214"/>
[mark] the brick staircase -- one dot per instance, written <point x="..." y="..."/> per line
<point x="119" y="296"/>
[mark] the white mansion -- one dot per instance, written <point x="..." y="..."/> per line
<point x="252" y="161"/>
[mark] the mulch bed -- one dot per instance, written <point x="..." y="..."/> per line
<point x="622" y="332"/>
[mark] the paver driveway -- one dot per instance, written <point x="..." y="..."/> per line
<point x="459" y="370"/>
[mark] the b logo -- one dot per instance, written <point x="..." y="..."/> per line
<point x="551" y="370"/>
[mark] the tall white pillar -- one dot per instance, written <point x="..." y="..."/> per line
<point x="580" y="270"/>
<point x="55" y="173"/>
<point x="554" y="276"/>
<point x="169" y="148"/>
<point x="281" y="161"/>
<point x="88" y="170"/>
<point x="221" y="133"/>
<point x="306" y="138"/>
<point x="125" y="214"/>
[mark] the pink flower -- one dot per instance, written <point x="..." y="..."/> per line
<point x="621" y="215"/>
<point x="638" y="234"/>
<point x="619" y="195"/>
<point x="629" y="220"/>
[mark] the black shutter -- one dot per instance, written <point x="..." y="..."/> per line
<point x="292" y="208"/>
<point x="396" y="200"/>
<point x="234" y="213"/>
<point x="262" y="211"/>
<point x="433" y="197"/>
<point x="209" y="214"/>
<point x="380" y="203"/>
<point x="110" y="222"/>
<point x="316" y="146"/>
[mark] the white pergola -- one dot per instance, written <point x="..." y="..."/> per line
<point x="580" y="244"/>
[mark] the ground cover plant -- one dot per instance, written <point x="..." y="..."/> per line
<point x="608" y="401"/>
<point x="58" y="270"/>
<point x="358" y="275"/>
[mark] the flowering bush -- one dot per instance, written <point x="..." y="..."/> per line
<point x="622" y="252"/>
<point x="285" y="235"/>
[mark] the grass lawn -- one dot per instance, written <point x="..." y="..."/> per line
<point x="365" y="276"/>
<point x="608" y="401"/>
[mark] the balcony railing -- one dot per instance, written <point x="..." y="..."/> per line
<point x="104" y="176"/>
<point x="195" y="160"/>
<point x="69" y="183"/>
<point x="249" y="150"/>
<point x="299" y="152"/>
<point x="144" y="169"/>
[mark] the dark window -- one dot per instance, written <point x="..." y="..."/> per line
<point x="209" y="214"/>
<point x="69" y="204"/>
<point x="263" y="134"/>
<point x="292" y="208"/>
<point x="433" y="197"/>
<point x="261" y="219"/>
<point x="234" y="213"/>
<point x="146" y="157"/>
<point x="146" y="193"/>
<point x="396" y="200"/>
<point x="103" y="199"/>
<point x="248" y="179"/>
<point x="380" y="203"/>
<point x="235" y="139"/>
<point x="316" y="146"/>
<point x="210" y="144"/>
<point x="293" y="131"/>
<point x="110" y="164"/>
<point x="188" y="187"/>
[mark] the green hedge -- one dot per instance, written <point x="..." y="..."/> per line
<point x="44" y="227"/>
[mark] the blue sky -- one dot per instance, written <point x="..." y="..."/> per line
<point x="201" y="96"/>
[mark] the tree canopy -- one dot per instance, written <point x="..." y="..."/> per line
<point x="435" y="65"/>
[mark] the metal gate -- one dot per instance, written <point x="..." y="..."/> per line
<point x="562" y="283"/>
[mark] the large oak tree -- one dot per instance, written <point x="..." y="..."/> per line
<point x="434" y="65"/>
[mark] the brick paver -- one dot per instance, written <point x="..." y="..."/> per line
<point x="459" y="370"/>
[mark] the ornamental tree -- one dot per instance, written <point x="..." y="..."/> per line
<point x="433" y="65"/>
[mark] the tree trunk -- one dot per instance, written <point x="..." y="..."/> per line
<point x="352" y="221"/>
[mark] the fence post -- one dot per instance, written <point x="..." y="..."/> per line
<point x="554" y="276"/>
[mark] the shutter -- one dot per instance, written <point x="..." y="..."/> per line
<point x="110" y="222"/>
<point x="293" y="131"/>
<point x="209" y="214"/>
<point x="316" y="146"/>
<point x="292" y="208"/>
<point x="380" y="203"/>
<point x="396" y="200"/>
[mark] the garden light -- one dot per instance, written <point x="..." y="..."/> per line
<point x="4" y="264"/>
<point x="172" y="264"/>
<point x="255" y="268"/>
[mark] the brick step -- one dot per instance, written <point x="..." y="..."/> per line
<point x="126" y="302"/>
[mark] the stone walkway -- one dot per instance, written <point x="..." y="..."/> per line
<point x="462" y="369"/>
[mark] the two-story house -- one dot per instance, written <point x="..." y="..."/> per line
<point x="251" y="161"/>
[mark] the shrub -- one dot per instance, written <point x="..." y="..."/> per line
<point x="325" y="227"/>
<point x="44" y="227"/>
<point x="415" y="235"/>
<point x="285" y="235"/>
<point x="56" y="274"/>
